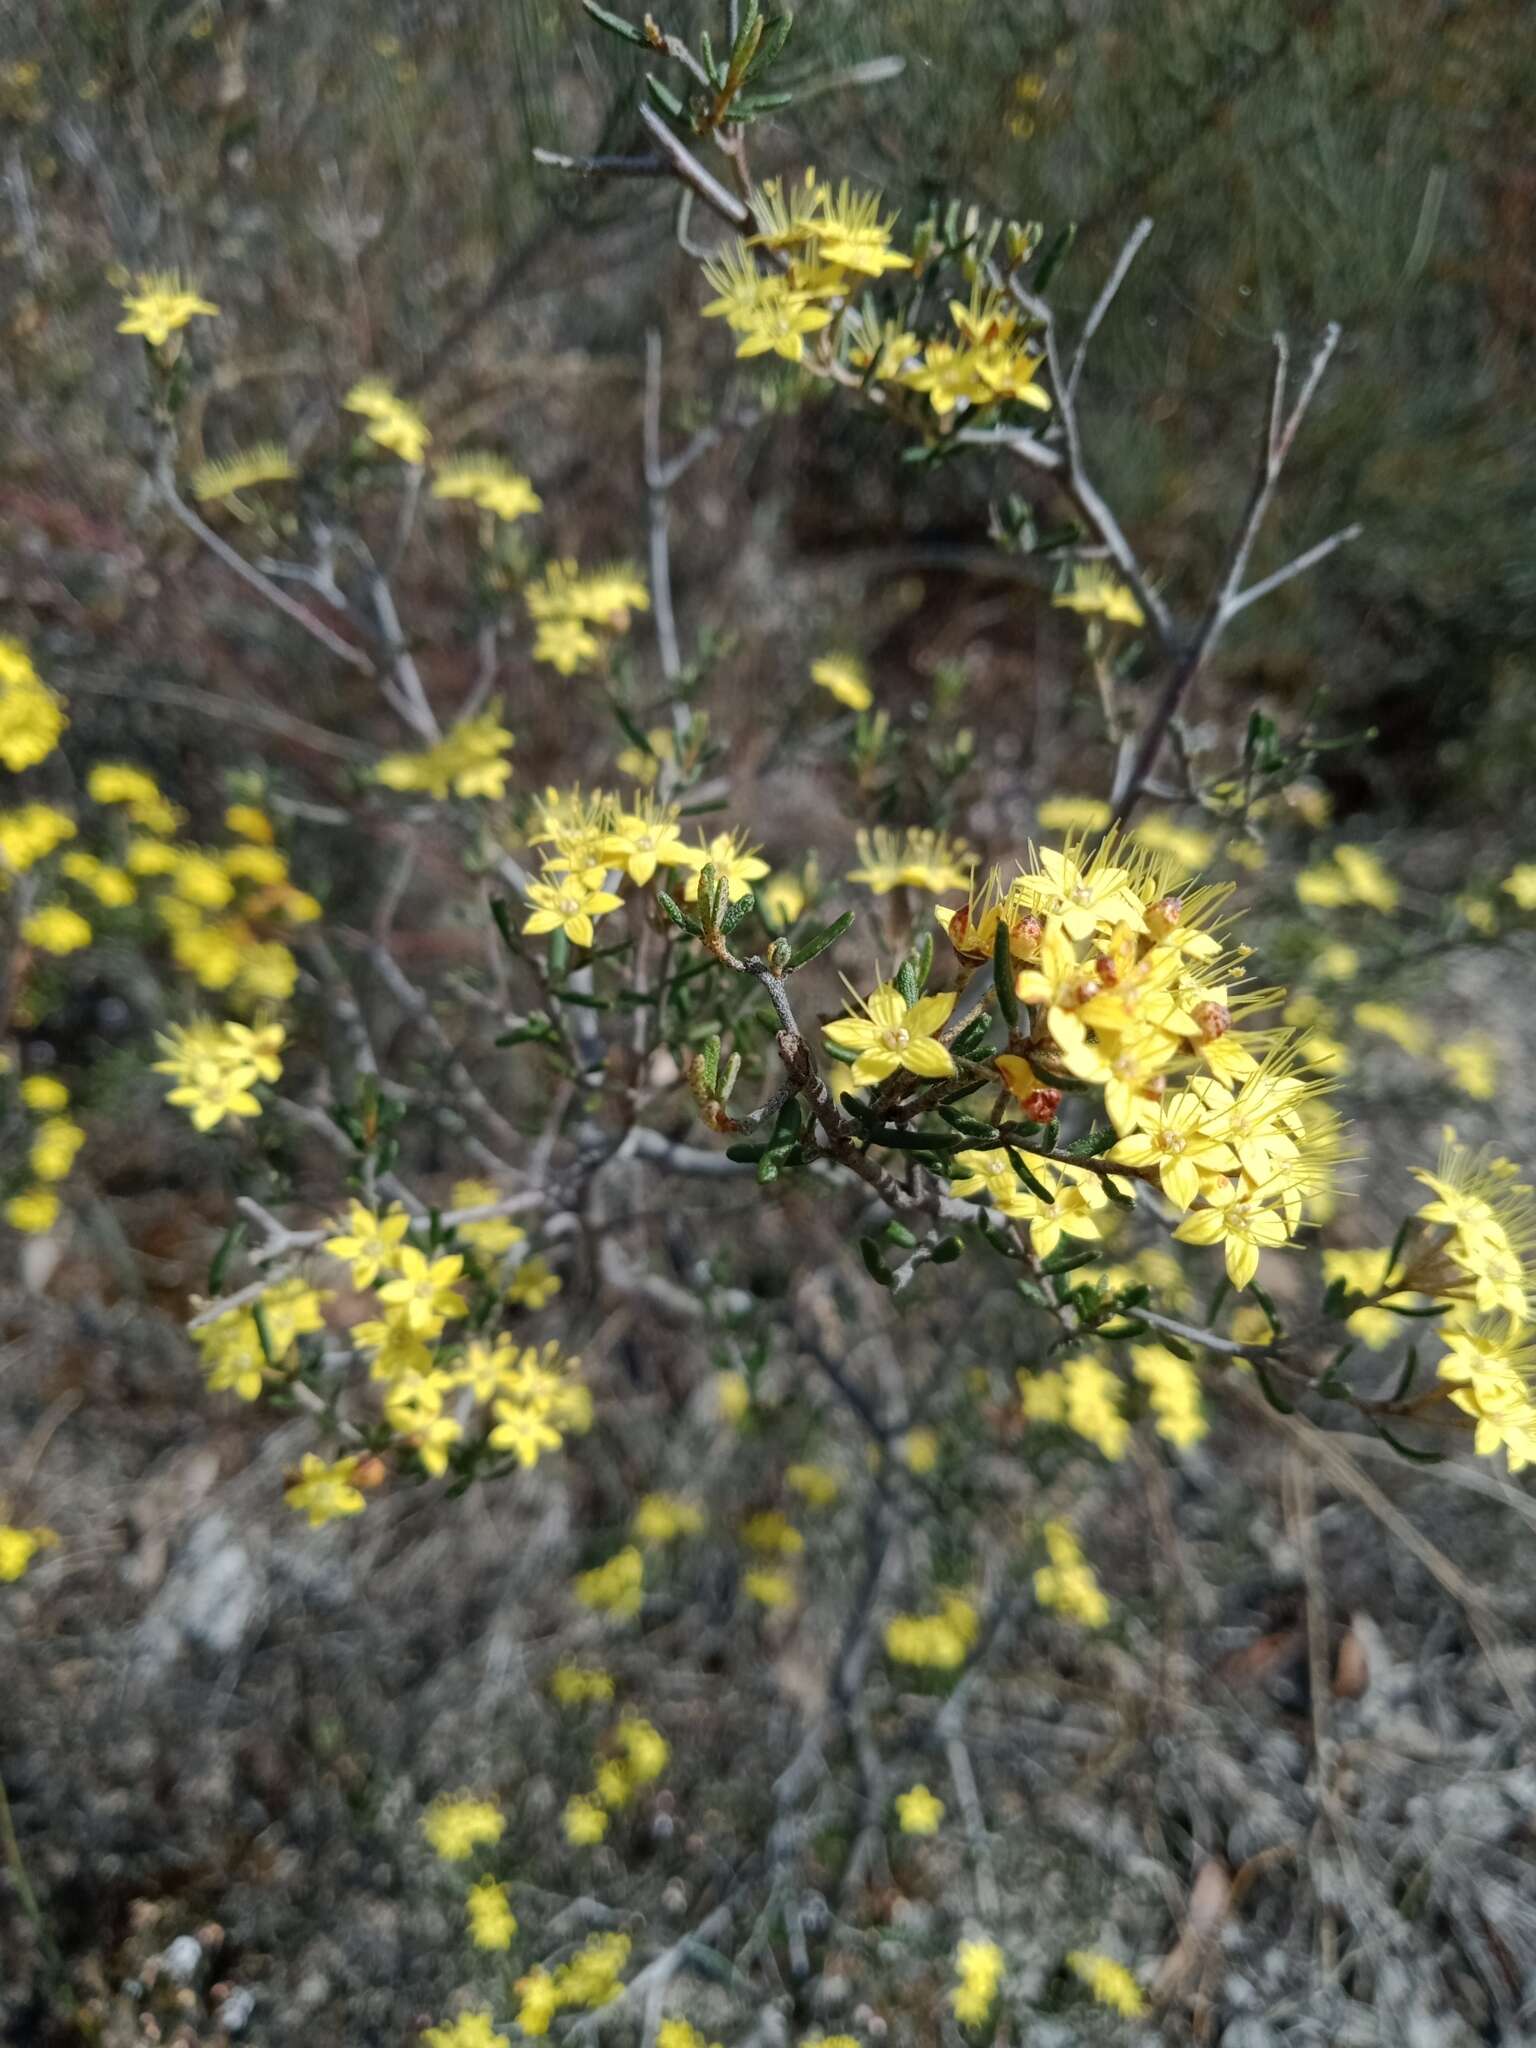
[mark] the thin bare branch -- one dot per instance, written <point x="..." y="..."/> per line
<point x="1104" y="301"/>
<point x="1308" y="559"/>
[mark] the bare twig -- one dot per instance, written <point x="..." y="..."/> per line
<point x="1103" y="302"/>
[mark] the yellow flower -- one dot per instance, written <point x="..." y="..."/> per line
<point x="1094" y="589"/>
<point x="736" y="864"/>
<point x="574" y="1686"/>
<point x="109" y="885"/>
<point x="1492" y="1220"/>
<point x="937" y="1642"/>
<point x="322" y="1491"/>
<point x="773" y="1534"/>
<point x="31" y="715"/>
<point x="915" y="859"/>
<point x="539" y="2002"/>
<point x="1173" y="1390"/>
<point x="533" y="1284"/>
<point x="54" y="1147"/>
<point x="1368" y="880"/>
<point x="1387" y="1020"/>
<point x="567" y="645"/>
<point x="816" y="1485"/>
<point x="470" y="761"/>
<point x="1238" y="1220"/>
<point x="1520" y="883"/>
<point x="1473" y="1066"/>
<point x="33" y="1211"/>
<point x="56" y="929"/>
<point x="523" y="1432"/>
<point x="681" y="2034"/>
<point x="918" y="1811"/>
<point x="1176" y="1140"/>
<point x="763" y="309"/>
<point x="1338" y="962"/>
<point x="979" y="1967"/>
<point x="369" y="1243"/>
<point x="1109" y="1983"/>
<point x="768" y="1588"/>
<point x="616" y="1587"/>
<point x="469" y="2030"/>
<point x="267" y="463"/>
<point x="781" y="900"/>
<point x="643" y="840"/>
<point x="918" y="1449"/>
<point x="391" y="422"/>
<point x="1074" y="814"/>
<point x="456" y="1828"/>
<point x="584" y="1821"/>
<point x="31" y="833"/>
<point x="603" y="597"/>
<point x="489" y="483"/>
<point x="18" y="1547"/>
<point x="895" y="1035"/>
<point x="492" y="1235"/>
<point x="492" y="1923"/>
<point x="661" y="1518"/>
<point x="162" y="304"/>
<point x="1067" y="1584"/>
<point x="212" y="1092"/>
<point x="567" y="905"/>
<point x="733" y="1394"/>
<point x="842" y="675"/>
<point x="1092" y="1398"/>
<point x="44" y="1092"/>
<point x="423" y="1290"/>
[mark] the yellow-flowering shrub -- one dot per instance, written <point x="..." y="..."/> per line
<point x="1052" y="1097"/>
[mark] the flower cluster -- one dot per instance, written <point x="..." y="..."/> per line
<point x="468" y="761"/>
<point x="1067" y="1584"/>
<point x="1480" y="1254"/>
<point x="571" y="607"/>
<point x="978" y="1973"/>
<point x="392" y="424"/>
<point x="216" y="1066"/>
<point x="43" y="1156"/>
<point x="590" y="1979"/>
<point x="936" y="1642"/>
<point x="32" y="717"/>
<point x="161" y="306"/>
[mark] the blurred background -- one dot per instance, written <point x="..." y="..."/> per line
<point x="214" y="1729"/>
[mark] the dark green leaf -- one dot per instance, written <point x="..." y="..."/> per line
<point x="677" y="914"/>
<point x="229" y="1244"/>
<point x="1406" y="1450"/>
<point x="664" y="96"/>
<point x="1051" y="257"/>
<point x="616" y="25"/>
<point x="818" y="942"/>
<point x="874" y="1261"/>
<point x="1003" y="975"/>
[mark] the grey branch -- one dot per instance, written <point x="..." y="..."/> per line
<point x="1104" y="301"/>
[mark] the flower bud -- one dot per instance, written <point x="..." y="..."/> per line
<point x="1214" y="1019"/>
<point x="967" y="937"/>
<point x="369" y="1472"/>
<point x="1164" y="915"/>
<point x="1024" y="936"/>
<point x="1041" y="1104"/>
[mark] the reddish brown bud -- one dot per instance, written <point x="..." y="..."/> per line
<point x="1164" y="914"/>
<point x="1214" y="1019"/>
<point x="1041" y="1104"/>
<point x="1106" y="970"/>
<point x="1024" y="936"/>
<point x="370" y="1472"/>
<point x="964" y="937"/>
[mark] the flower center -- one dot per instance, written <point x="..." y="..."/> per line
<point x="895" y="1037"/>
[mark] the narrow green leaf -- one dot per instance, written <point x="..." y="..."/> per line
<point x="818" y="943"/>
<point x="906" y="982"/>
<point x="709" y="1055"/>
<point x="616" y="25"/>
<point x="1406" y="1450"/>
<point x="1410" y="1368"/>
<point x="775" y="36"/>
<point x="750" y="105"/>
<point x="745" y="1155"/>
<point x="947" y="1250"/>
<point x="1068" y="1257"/>
<point x="1055" y="250"/>
<point x="874" y="1261"/>
<point x="229" y="1244"/>
<point x="898" y="1233"/>
<point x="735" y="912"/>
<point x="1003" y="975"/>
<point x="1280" y="1405"/>
<point x="677" y="914"/>
<point x="664" y="96"/>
